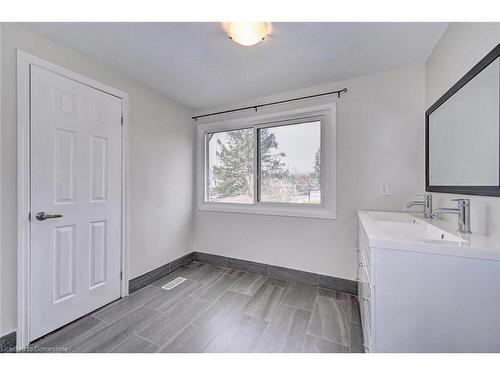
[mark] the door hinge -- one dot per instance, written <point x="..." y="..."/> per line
<point x="121" y="275"/>
<point x="121" y="120"/>
<point x="29" y="216"/>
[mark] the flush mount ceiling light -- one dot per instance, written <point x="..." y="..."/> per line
<point x="247" y="33"/>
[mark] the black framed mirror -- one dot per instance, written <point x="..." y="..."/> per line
<point x="462" y="133"/>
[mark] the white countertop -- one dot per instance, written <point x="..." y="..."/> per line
<point x="398" y="231"/>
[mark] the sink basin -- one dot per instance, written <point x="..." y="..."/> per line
<point x="397" y="217"/>
<point x="416" y="230"/>
<point x="403" y="226"/>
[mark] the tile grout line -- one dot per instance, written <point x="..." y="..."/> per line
<point x="286" y="288"/>
<point x="133" y="334"/>
<point x="330" y="341"/>
<point x="303" y="342"/>
<point x="143" y="304"/>
<point x="327" y="339"/>
<point x="268" y="324"/>
<point x="99" y="319"/>
<point x="88" y="337"/>
<point x="225" y="290"/>
<point x="79" y="343"/>
<point x="211" y="303"/>
<point x="228" y="289"/>
<point x="302" y="349"/>
<point x="311" y="317"/>
<point x="176" y="304"/>
<point x="192" y="322"/>
<point x="324" y="338"/>
<point x="141" y="325"/>
<point x="85" y="335"/>
<point x="142" y="337"/>
<point x="120" y="342"/>
<point x="138" y="335"/>
<point x="146" y="322"/>
<point x="152" y="320"/>
<point x="295" y="307"/>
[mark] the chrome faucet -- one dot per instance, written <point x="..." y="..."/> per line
<point x="427" y="203"/>
<point x="463" y="212"/>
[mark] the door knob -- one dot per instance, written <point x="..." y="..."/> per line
<point x="44" y="216"/>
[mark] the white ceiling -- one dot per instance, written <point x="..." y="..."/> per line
<point x="197" y="65"/>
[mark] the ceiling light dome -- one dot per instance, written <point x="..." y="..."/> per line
<point x="247" y="33"/>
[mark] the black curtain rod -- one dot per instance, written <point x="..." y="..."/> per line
<point x="257" y="106"/>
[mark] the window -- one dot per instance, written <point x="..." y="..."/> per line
<point x="290" y="163"/>
<point x="230" y="166"/>
<point x="271" y="165"/>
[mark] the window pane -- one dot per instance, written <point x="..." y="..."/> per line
<point x="290" y="163"/>
<point x="230" y="166"/>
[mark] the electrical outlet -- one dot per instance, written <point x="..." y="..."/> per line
<point x="385" y="189"/>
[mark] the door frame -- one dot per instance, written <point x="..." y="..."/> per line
<point x="24" y="61"/>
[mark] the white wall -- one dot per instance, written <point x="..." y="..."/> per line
<point x="380" y="127"/>
<point x="461" y="47"/>
<point x="160" y="161"/>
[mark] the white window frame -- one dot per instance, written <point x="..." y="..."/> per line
<point x="325" y="210"/>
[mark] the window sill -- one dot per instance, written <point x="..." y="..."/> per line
<point x="303" y="212"/>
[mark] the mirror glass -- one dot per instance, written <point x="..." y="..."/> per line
<point x="463" y="134"/>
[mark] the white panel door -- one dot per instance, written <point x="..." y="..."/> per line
<point x="75" y="173"/>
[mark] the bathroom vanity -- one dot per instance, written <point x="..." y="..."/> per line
<point x="425" y="288"/>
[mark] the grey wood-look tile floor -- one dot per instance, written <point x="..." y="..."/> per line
<point x="217" y="310"/>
